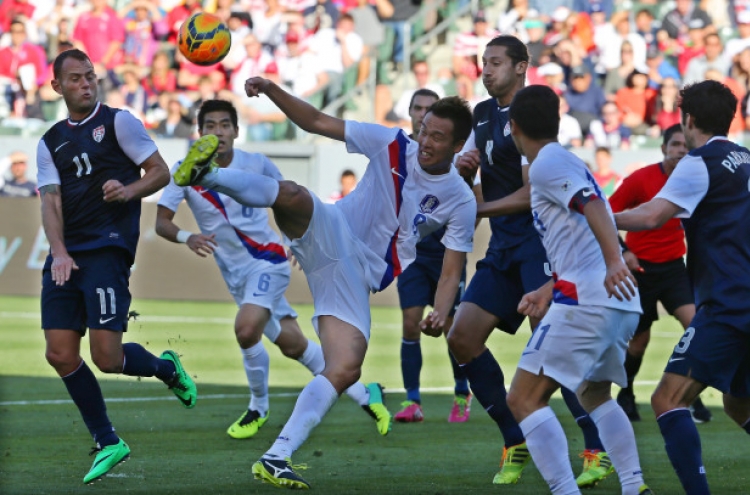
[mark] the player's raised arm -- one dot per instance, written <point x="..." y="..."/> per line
<point x="201" y="244"/>
<point x="299" y="111"/>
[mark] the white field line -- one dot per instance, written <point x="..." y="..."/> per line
<point x="441" y="390"/>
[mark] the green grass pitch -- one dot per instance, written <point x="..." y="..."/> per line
<point x="43" y="441"/>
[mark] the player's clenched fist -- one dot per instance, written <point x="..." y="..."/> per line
<point x="255" y="86"/>
<point x="468" y="164"/>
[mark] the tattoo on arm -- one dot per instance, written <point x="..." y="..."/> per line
<point x="51" y="189"/>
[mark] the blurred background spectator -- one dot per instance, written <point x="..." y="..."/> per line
<point x="18" y="185"/>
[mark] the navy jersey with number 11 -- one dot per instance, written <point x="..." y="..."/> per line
<point x="81" y="157"/>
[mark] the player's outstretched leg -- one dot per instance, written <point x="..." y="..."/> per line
<point x="198" y="161"/>
<point x="181" y="384"/>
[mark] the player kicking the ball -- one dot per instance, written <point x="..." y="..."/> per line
<point x="357" y="245"/>
<point x="254" y="266"/>
<point x="591" y="304"/>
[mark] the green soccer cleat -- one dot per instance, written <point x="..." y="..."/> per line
<point x="376" y="408"/>
<point x="596" y="467"/>
<point x="645" y="490"/>
<point x="280" y="473"/>
<point x="248" y="425"/>
<point x="107" y="458"/>
<point x="514" y="460"/>
<point x="181" y="383"/>
<point x="198" y="161"/>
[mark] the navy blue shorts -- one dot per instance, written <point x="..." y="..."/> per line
<point x="666" y="282"/>
<point x="418" y="283"/>
<point x="503" y="277"/>
<point x="96" y="296"/>
<point x="715" y="354"/>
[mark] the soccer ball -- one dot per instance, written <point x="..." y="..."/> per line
<point x="204" y="39"/>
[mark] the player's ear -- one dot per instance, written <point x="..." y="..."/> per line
<point x="56" y="86"/>
<point x="521" y="68"/>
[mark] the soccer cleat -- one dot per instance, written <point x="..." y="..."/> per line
<point x="248" y="424"/>
<point x="106" y="458"/>
<point x="376" y="408"/>
<point x="198" y="161"/>
<point x="514" y="460"/>
<point x="700" y="412"/>
<point x="411" y="412"/>
<point x="460" y="410"/>
<point x="181" y="383"/>
<point x="280" y="473"/>
<point x="626" y="400"/>
<point x="645" y="490"/>
<point x="596" y="467"/>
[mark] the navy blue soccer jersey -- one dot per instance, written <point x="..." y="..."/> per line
<point x="81" y="157"/>
<point x="712" y="186"/>
<point x="501" y="172"/>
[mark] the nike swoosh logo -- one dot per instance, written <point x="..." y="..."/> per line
<point x="527" y="352"/>
<point x="395" y="172"/>
<point x="587" y="192"/>
<point x="56" y="149"/>
<point x="482" y="122"/>
<point x="188" y="402"/>
<point x="672" y="360"/>
<point x="99" y="461"/>
<point x="256" y="294"/>
<point x="102" y="321"/>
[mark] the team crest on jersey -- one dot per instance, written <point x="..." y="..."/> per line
<point x="506" y="131"/>
<point x="428" y="204"/>
<point x="98" y="134"/>
<point x="566" y="185"/>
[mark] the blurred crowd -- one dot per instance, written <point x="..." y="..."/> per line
<point x="617" y="64"/>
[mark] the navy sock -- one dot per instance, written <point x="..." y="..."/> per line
<point x="746" y="426"/>
<point x="411" y="367"/>
<point x="590" y="433"/>
<point x="87" y="396"/>
<point x="461" y="386"/>
<point x="683" y="446"/>
<point x="488" y="384"/>
<point x="632" y="365"/>
<point x="140" y="362"/>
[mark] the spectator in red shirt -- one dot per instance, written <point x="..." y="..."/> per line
<point x="177" y="16"/>
<point x="161" y="78"/>
<point x="23" y="67"/>
<point x="656" y="259"/>
<point x="100" y="33"/>
<point x="665" y="112"/>
<point x="635" y="101"/>
<point x="13" y="9"/>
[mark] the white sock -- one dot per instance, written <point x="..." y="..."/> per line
<point x="247" y="188"/>
<point x="618" y="438"/>
<point x="256" y="368"/>
<point x="312" y="404"/>
<point x="548" y="446"/>
<point x="359" y="393"/>
<point x="312" y="358"/>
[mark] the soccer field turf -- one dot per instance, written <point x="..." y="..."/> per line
<point x="43" y="441"/>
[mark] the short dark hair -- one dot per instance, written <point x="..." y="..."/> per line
<point x="712" y="105"/>
<point x="422" y="92"/>
<point x="458" y="111"/>
<point x="603" y="149"/>
<point x="670" y="131"/>
<point x="348" y="173"/>
<point x="514" y="48"/>
<point x="209" y="106"/>
<point x="536" y="110"/>
<point x="74" y="53"/>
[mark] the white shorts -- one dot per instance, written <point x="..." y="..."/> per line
<point x="265" y="285"/>
<point x="334" y="263"/>
<point x="573" y="344"/>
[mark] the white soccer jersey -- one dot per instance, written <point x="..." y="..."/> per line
<point x="397" y="203"/>
<point x="242" y="233"/>
<point x="574" y="254"/>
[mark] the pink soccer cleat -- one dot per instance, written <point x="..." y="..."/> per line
<point x="460" y="410"/>
<point x="411" y="413"/>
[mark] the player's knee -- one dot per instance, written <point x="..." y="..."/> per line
<point x="458" y="346"/>
<point x="107" y="364"/>
<point x="63" y="362"/>
<point x="342" y="377"/>
<point x="293" y="348"/>
<point x="247" y="335"/>
<point x="660" y="403"/>
<point x="290" y="193"/>
<point x="411" y="330"/>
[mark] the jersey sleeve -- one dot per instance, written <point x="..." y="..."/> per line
<point x="459" y="232"/>
<point x="46" y="172"/>
<point x="559" y="182"/>
<point x="470" y="144"/>
<point x="368" y="139"/>
<point x="133" y="138"/>
<point x="687" y="185"/>
<point x="172" y="195"/>
<point x="270" y="169"/>
<point x="625" y="196"/>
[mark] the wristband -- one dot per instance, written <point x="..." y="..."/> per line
<point x="183" y="236"/>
